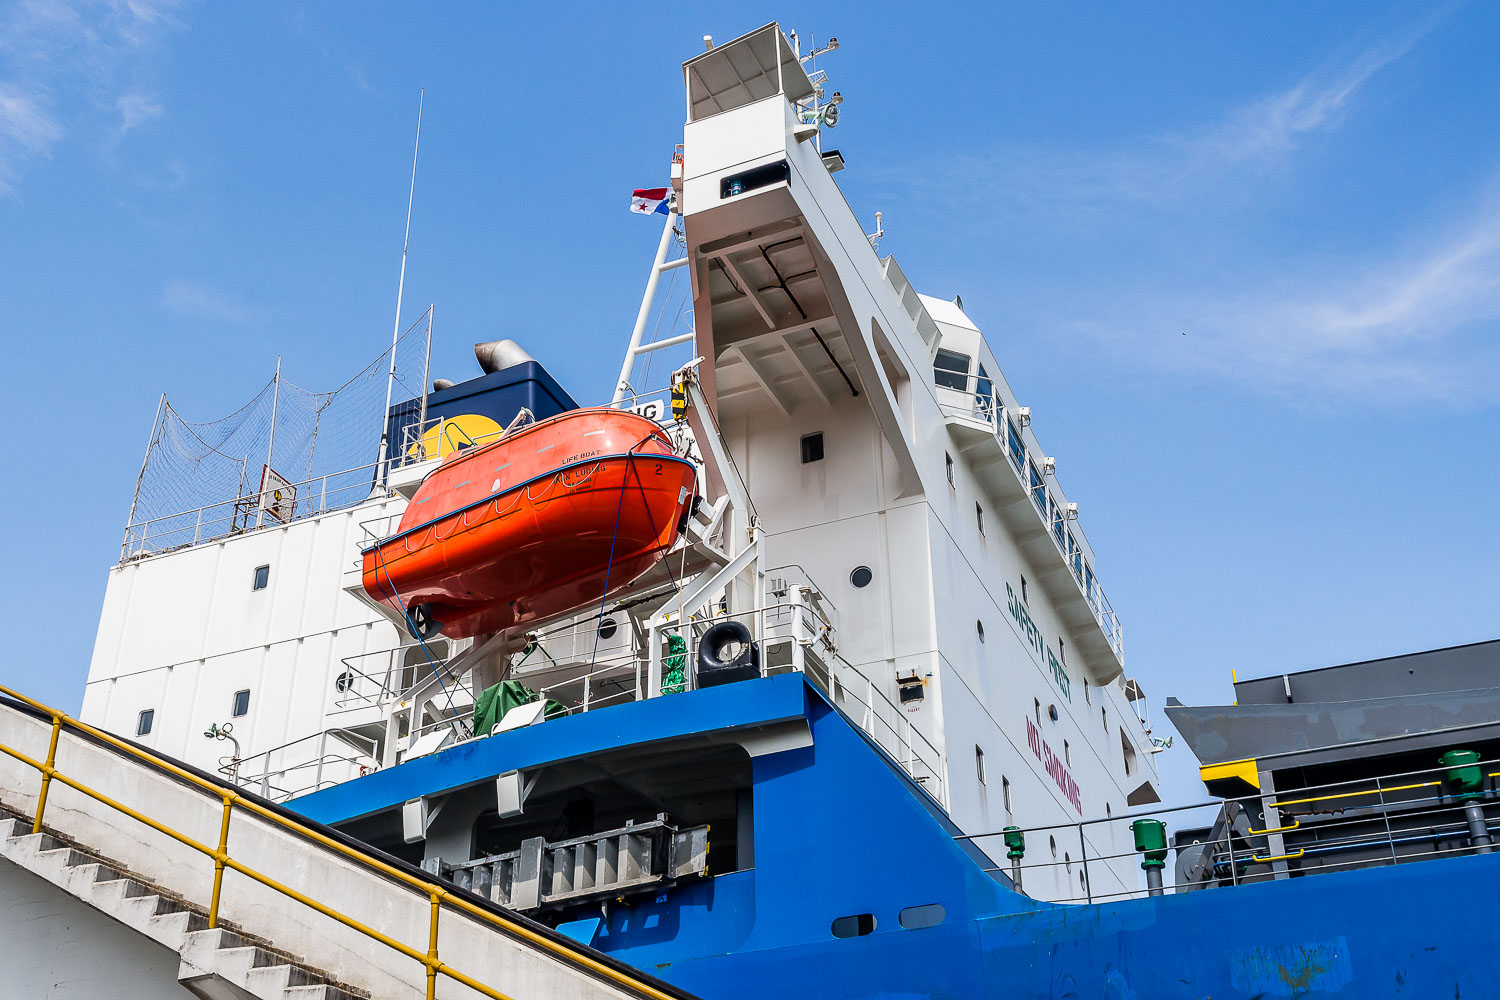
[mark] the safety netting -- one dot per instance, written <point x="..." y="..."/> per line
<point x="287" y="453"/>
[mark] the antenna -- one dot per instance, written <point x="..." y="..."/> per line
<point x="813" y="110"/>
<point x="390" y="380"/>
<point x="874" y="237"/>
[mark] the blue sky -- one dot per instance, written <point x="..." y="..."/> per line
<point x="1243" y="262"/>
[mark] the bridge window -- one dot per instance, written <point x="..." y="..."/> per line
<point x="951" y="370"/>
<point x="1016" y="448"/>
<point x="914" y="918"/>
<point x="984" y="394"/>
<point x="261" y="579"/>
<point x="854" y="925"/>
<point x="143" y="722"/>
<point x="241" y="703"/>
<point x="1038" y="491"/>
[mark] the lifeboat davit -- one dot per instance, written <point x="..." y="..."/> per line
<point x="543" y="521"/>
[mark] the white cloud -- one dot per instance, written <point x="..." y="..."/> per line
<point x="1168" y="167"/>
<point x="27" y="129"/>
<point x="64" y="60"/>
<point x="136" y="109"/>
<point x="200" y="301"/>
<point x="1418" y="324"/>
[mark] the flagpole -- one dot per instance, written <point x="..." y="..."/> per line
<point x="390" y="381"/>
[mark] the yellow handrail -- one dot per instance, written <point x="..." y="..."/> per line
<point x="1278" y="857"/>
<point x="436" y="893"/>
<point x="1350" y="795"/>
<point x="1275" y="829"/>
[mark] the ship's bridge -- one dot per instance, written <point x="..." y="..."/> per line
<point x="799" y="315"/>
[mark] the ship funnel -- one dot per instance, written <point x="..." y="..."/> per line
<point x="494" y="355"/>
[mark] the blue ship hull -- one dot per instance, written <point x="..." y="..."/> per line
<point x="841" y="830"/>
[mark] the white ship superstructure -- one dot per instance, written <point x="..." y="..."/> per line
<point x="877" y="509"/>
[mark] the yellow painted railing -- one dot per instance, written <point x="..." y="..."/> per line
<point x="1349" y="795"/>
<point x="438" y="896"/>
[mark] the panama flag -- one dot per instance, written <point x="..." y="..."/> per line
<point x="649" y="201"/>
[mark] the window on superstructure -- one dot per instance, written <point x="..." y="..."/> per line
<point x="812" y="448"/>
<point x="948" y="462"/>
<point x="1025" y="598"/>
<point x="979" y="627"/>
<point x="262" y="578"/>
<point x="1075" y="557"/>
<point x="1104" y="717"/>
<point x="1062" y="650"/>
<point x="979" y="517"/>
<point x="241" y="703"/>
<point x="1058" y="516"/>
<point x="1067" y="754"/>
<point x="1005" y="794"/>
<point x="1038" y="490"/>
<point x="1015" y="446"/>
<point x="143" y="722"/>
<point x="1036" y="705"/>
<point x="951" y="370"/>
<point x="984" y="395"/>
<point x="979" y="763"/>
<point x="1129" y="752"/>
<point x="1088" y="586"/>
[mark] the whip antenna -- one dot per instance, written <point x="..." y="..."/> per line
<point x="385" y="415"/>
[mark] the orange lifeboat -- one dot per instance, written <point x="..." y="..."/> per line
<point x="548" y="519"/>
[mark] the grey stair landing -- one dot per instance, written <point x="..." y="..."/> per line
<point x="217" y="964"/>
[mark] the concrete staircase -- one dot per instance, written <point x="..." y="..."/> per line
<point x="217" y="964"/>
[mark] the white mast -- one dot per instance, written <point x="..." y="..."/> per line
<point x="390" y="380"/>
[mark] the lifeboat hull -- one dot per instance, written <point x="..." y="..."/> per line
<point x="548" y="520"/>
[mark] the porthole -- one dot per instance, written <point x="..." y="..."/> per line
<point x="1052" y="842"/>
<point x="861" y="576"/>
<point x="343" y="681"/>
<point x="607" y="628"/>
<point x="854" y="925"/>
<point x="914" y="918"/>
<point x="1068" y="862"/>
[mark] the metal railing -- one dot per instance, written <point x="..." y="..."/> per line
<point x="979" y="402"/>
<point x="890" y="728"/>
<point x="1367" y="817"/>
<point x="440" y="898"/>
<point x="241" y="514"/>
<point x="305" y="765"/>
<point x="436" y="437"/>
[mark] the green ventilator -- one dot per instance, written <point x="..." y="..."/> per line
<point x="1151" y="842"/>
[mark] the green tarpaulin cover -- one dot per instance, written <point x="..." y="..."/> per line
<point x="674" y="665"/>
<point x="496" y="700"/>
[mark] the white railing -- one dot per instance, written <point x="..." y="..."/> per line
<point x="242" y="514"/>
<point x="306" y="765"/>
<point x="1388" y="819"/>
<point x="979" y="402"/>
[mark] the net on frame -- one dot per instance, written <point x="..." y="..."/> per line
<point x="205" y="480"/>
